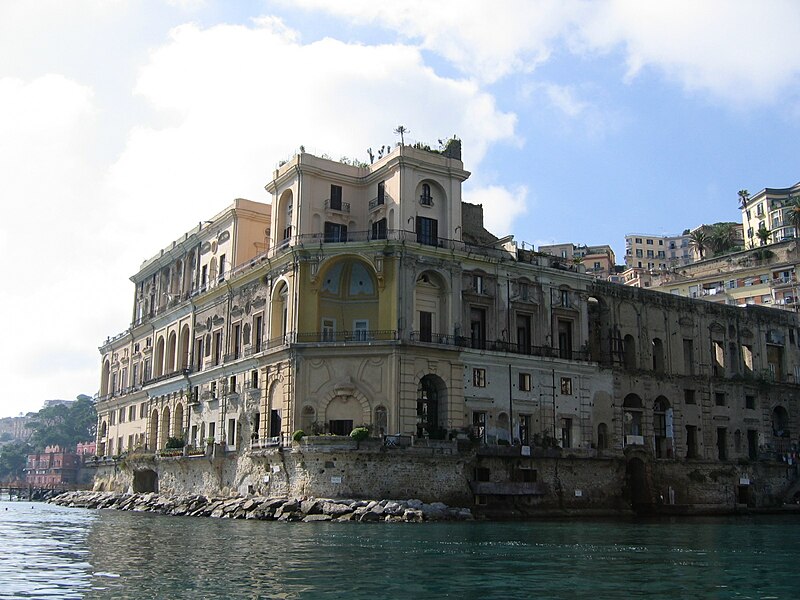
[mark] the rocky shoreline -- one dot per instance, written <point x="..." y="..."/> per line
<point x="268" y="509"/>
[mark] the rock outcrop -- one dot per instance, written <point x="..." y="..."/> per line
<point x="268" y="509"/>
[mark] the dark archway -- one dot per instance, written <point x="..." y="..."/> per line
<point x="431" y="402"/>
<point x="637" y="486"/>
<point x="144" y="481"/>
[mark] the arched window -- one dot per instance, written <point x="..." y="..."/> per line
<point x="158" y="361"/>
<point x="629" y="350"/>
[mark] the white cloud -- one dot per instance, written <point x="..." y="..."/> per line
<point x="501" y="206"/>
<point x="740" y="51"/>
<point x="51" y="210"/>
<point x="239" y="98"/>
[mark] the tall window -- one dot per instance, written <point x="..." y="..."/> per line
<point x="525" y="430"/>
<point x="222" y="265"/>
<point x="379" y="229"/>
<point x="427" y="231"/>
<point x="259" y="326"/>
<point x="477" y="323"/>
<point x="336" y="197"/>
<point x="564" y="339"/>
<point x="425" y="198"/>
<point x="425" y="326"/>
<point x="381" y="192"/>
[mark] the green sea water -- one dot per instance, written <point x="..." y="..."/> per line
<point x="55" y="552"/>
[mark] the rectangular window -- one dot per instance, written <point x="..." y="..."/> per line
<point x="232" y="388"/>
<point x="213" y="389"/>
<point x="688" y="397"/>
<point x="222" y="266"/>
<point x="381" y="192"/>
<point x="525" y="430"/>
<point x="143" y="410"/>
<point x="425" y="326"/>
<point x="360" y="330"/>
<point x="217" y="347"/>
<point x="427" y="231"/>
<point x="649" y="242"/>
<point x="477" y="284"/>
<point x="566" y="386"/>
<point x="688" y="356"/>
<point x="564" y="339"/>
<point x="524" y="334"/>
<point x="335" y="232"/>
<point x="131" y="413"/>
<point x="479" y="377"/>
<point x="203" y="277"/>
<point x="752" y="444"/>
<point x="722" y="443"/>
<point x="121" y="415"/>
<point x="477" y="318"/>
<point x="198" y="345"/>
<point x="336" y="197"/>
<point x="479" y="426"/>
<point x="254" y="379"/>
<point x="258" y="333"/>
<point x="750" y="402"/>
<point x="340" y="426"/>
<point x="566" y="433"/>
<point x="112" y="418"/>
<point x="379" y="230"/>
<point x="232" y="432"/>
<point x="237" y="337"/>
<point x="719" y="398"/>
<point x="328" y="330"/>
<point x="691" y="441"/>
<point x="525" y="382"/>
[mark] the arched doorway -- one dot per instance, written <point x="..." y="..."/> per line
<point x="431" y="403"/>
<point x="629" y="350"/>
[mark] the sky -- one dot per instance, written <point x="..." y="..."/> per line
<point x="124" y="123"/>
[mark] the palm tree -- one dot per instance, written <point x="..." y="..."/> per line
<point x="699" y="239"/>
<point x="401" y="130"/>
<point x="744" y="196"/>
<point x="763" y="235"/>
<point x="793" y="204"/>
<point x="721" y="238"/>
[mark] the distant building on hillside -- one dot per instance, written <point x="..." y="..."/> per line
<point x="598" y="261"/>
<point x="49" y="403"/>
<point x="657" y="252"/>
<point x="768" y="210"/>
<point x="54" y="467"/>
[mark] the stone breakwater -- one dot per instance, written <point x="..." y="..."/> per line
<point x="269" y="509"/>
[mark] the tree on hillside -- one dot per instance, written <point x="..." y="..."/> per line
<point x="721" y="238"/>
<point x="763" y="235"/>
<point x="64" y="425"/>
<point x="699" y="239"/>
<point x="13" y="458"/>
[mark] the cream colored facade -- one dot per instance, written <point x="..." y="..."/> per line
<point x="767" y="209"/>
<point x="366" y="306"/>
<point x="597" y="261"/>
<point x="657" y="252"/>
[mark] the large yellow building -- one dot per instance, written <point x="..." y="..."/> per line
<point x="373" y="296"/>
